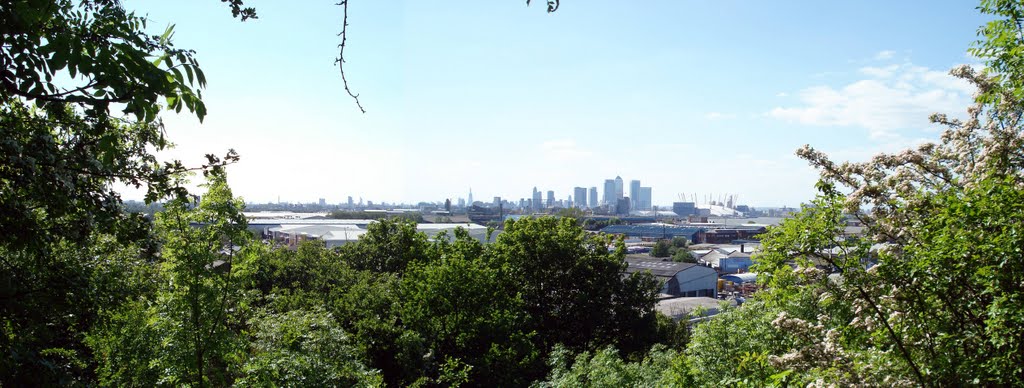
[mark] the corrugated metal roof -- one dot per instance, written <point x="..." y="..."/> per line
<point x="657" y="268"/>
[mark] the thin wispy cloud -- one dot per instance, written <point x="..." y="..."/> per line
<point x="884" y="55"/>
<point x="889" y="99"/>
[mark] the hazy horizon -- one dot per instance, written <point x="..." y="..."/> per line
<point x="688" y="98"/>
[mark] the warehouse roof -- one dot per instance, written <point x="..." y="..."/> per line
<point x="651" y="230"/>
<point x="657" y="268"/>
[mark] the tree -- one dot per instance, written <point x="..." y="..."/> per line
<point x="388" y="246"/>
<point x="459" y="305"/>
<point x="200" y="242"/>
<point x="929" y="294"/>
<point x="605" y="368"/>
<point x="683" y="256"/>
<point x="65" y="65"/>
<point x="572" y="285"/>
<point x="662" y="248"/>
<point x="303" y="348"/>
<point x="680" y="242"/>
<point x="184" y="332"/>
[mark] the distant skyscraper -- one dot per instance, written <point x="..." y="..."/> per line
<point x="622" y="206"/>
<point x="536" y="199"/>
<point x="350" y="201"/>
<point x="580" y="194"/>
<point x="551" y="198"/>
<point x="634" y="194"/>
<point x="644" y="202"/>
<point x="323" y="202"/>
<point x="592" y="199"/>
<point x="618" y="188"/>
<point x="609" y="192"/>
<point x="470" y="196"/>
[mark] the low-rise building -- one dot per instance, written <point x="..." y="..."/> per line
<point x="679" y="279"/>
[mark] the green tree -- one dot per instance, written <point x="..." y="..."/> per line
<point x="388" y="246"/>
<point x="605" y="368"/>
<point x="683" y="256"/>
<point x="927" y="296"/>
<point x="662" y="248"/>
<point x="184" y="332"/>
<point x="301" y="348"/>
<point x="199" y="245"/>
<point x="364" y="304"/>
<point x="459" y="305"/>
<point x="572" y="286"/>
<point x="65" y="66"/>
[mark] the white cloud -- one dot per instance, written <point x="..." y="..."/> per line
<point x="888" y="100"/>
<point x="719" y="116"/>
<point x="884" y="55"/>
<point x="782" y="94"/>
<point x="563" y="150"/>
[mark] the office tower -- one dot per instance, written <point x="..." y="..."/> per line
<point x="644" y="202"/>
<point x="350" y="202"/>
<point x="618" y="188"/>
<point x="634" y="194"/>
<point x="536" y="199"/>
<point x="580" y="194"/>
<point x="592" y="198"/>
<point x="551" y="198"/>
<point x="497" y="201"/>
<point x="622" y="206"/>
<point x="322" y="202"/>
<point x="609" y="192"/>
<point x="471" y="196"/>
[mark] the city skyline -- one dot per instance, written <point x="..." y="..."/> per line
<point x="556" y="100"/>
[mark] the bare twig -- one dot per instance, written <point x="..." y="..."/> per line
<point x="340" y="61"/>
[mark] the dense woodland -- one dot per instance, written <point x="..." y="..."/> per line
<point x="92" y="293"/>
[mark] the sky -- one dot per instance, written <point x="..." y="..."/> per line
<point x="705" y="98"/>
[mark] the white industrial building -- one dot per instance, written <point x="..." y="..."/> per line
<point x="334" y="233"/>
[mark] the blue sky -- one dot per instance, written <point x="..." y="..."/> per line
<point x="688" y="97"/>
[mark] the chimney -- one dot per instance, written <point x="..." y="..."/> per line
<point x="741" y="248"/>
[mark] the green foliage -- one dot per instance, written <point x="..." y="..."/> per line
<point x="302" y="348"/>
<point x="199" y="246"/>
<point x="676" y="248"/>
<point x="106" y="53"/>
<point x="731" y="348"/>
<point x="1001" y="45"/>
<point x="683" y="256"/>
<point x="459" y="304"/>
<point x="572" y="286"/>
<point x="69" y="249"/>
<point x="604" y="368"/>
<point x="125" y="343"/>
<point x="388" y="246"/>
<point x="661" y="249"/>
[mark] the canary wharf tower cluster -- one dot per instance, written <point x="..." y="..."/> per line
<point x="614" y="198"/>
